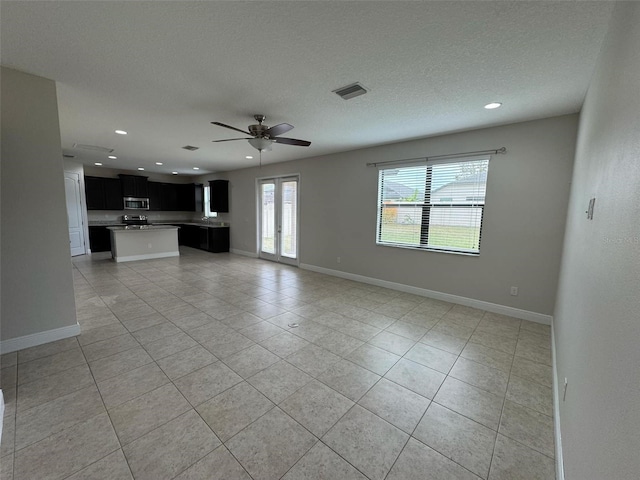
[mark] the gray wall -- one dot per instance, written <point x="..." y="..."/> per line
<point x="597" y="319"/>
<point x="527" y="194"/>
<point x="37" y="284"/>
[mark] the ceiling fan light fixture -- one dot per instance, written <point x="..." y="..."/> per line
<point x="261" y="144"/>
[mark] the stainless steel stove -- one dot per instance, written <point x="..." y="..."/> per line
<point x="130" y="220"/>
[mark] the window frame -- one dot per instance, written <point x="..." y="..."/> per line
<point x="427" y="204"/>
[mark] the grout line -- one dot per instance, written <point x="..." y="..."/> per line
<point x="278" y="303"/>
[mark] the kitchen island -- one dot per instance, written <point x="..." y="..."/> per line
<point x="143" y="242"/>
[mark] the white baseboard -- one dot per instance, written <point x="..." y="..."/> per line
<point x="148" y="256"/>
<point x="35" y="339"/>
<point x="556" y="410"/>
<point x="244" y="253"/>
<point x="446" y="297"/>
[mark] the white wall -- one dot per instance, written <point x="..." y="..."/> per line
<point x="527" y="194"/>
<point x="37" y="284"/>
<point x="597" y="318"/>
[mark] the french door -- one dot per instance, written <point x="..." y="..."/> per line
<point x="278" y="219"/>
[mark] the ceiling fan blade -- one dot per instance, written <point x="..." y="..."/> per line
<point x="279" y="129"/>
<point x="230" y="140"/>
<point x="291" y="141"/>
<point x="230" y="127"/>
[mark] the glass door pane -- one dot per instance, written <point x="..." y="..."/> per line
<point x="268" y="218"/>
<point x="289" y="219"/>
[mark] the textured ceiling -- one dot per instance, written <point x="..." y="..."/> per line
<point x="164" y="70"/>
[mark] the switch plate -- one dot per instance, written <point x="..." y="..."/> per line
<point x="338" y="259"/>
<point x="514" y="291"/>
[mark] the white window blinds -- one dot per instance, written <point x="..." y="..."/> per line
<point x="437" y="206"/>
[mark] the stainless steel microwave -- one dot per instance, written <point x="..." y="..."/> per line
<point x="131" y="203"/>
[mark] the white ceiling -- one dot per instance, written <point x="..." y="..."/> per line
<point x="164" y="70"/>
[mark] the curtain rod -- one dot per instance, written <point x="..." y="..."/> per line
<point x="438" y="157"/>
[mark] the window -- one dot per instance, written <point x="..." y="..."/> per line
<point x="437" y="206"/>
<point x="207" y="203"/>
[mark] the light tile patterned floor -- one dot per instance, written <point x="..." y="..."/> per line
<point x="189" y="368"/>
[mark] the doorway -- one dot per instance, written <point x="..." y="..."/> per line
<point x="278" y="219"/>
<point x="74" y="213"/>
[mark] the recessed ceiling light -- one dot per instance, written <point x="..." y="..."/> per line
<point x="140" y="168"/>
<point x="492" y="105"/>
<point x="98" y="164"/>
<point x="174" y="173"/>
<point x="121" y="132"/>
<point x="158" y="163"/>
<point x="196" y="168"/>
<point x="248" y="157"/>
<point x="112" y="157"/>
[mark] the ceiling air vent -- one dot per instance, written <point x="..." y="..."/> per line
<point x="351" y="91"/>
<point x="93" y="148"/>
<point x="191" y="148"/>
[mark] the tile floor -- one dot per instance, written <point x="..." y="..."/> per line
<point x="190" y="368"/>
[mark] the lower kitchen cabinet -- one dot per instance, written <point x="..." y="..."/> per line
<point x="99" y="239"/>
<point x="218" y="239"/>
<point x="211" y="239"/>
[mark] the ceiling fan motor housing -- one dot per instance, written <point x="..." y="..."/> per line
<point x="258" y="130"/>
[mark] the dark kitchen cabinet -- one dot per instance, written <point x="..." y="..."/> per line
<point x="219" y="195"/>
<point x="168" y="197"/>
<point x="113" y="194"/>
<point x="189" y="197"/>
<point x="94" y="190"/>
<point x="211" y="239"/>
<point x="99" y="239"/>
<point x="103" y="193"/>
<point x="134" y="186"/>
<point x="186" y="197"/>
<point x="218" y="239"/>
<point x="189" y="236"/>
<point x="155" y="196"/>
<point x="107" y="194"/>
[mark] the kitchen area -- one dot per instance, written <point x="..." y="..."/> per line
<point x="135" y="218"/>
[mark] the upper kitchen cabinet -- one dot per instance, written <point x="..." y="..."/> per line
<point x="134" y="186"/>
<point x="94" y="189"/>
<point x="190" y="197"/>
<point x="113" y="194"/>
<point x="155" y="196"/>
<point x="168" y="197"/>
<point x="103" y="193"/>
<point x="219" y="195"/>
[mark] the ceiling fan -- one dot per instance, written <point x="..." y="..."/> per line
<point x="263" y="136"/>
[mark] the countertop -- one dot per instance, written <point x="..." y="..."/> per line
<point x="195" y="224"/>
<point x="142" y="228"/>
<point x="160" y="224"/>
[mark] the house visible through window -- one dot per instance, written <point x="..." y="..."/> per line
<point x="437" y="206"/>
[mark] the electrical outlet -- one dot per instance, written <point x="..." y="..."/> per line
<point x="514" y="291"/>
<point x="338" y="260"/>
<point x="564" y="394"/>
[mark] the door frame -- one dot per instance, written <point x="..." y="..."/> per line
<point x="278" y="179"/>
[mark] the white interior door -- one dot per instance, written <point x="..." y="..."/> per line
<point x="278" y="219"/>
<point x="74" y="213"/>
